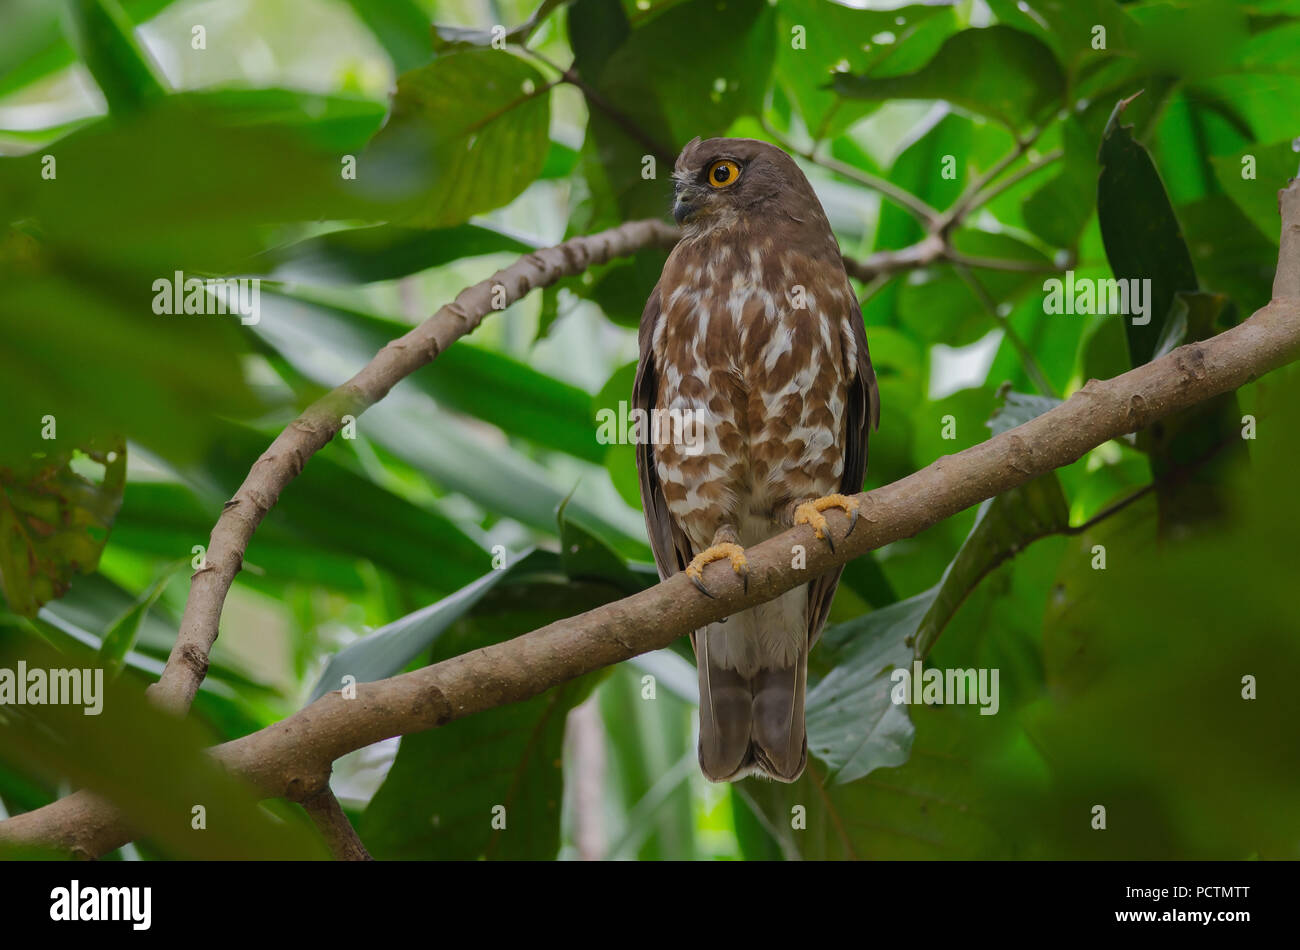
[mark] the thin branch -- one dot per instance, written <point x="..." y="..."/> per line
<point x="1000" y="263"/>
<point x="969" y="199"/>
<point x="329" y="818"/>
<point x="291" y="759"/>
<point x="1016" y="177"/>
<point x="611" y="111"/>
<point x="1027" y="358"/>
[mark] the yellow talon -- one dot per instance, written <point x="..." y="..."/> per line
<point x="733" y="552"/>
<point x="810" y="513"/>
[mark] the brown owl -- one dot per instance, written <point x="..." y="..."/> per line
<point x="754" y="356"/>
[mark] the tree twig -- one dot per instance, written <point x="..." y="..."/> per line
<point x="1027" y="358"/>
<point x="340" y="837"/>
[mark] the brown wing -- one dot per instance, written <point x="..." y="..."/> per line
<point x="862" y="415"/>
<point x="671" y="548"/>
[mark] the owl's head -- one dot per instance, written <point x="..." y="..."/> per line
<point x="721" y="182"/>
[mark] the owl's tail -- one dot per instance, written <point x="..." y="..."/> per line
<point x="749" y="723"/>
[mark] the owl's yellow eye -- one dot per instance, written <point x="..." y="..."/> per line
<point x="723" y="172"/>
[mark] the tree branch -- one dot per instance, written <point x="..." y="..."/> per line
<point x="339" y="835"/>
<point x="307" y="434"/>
<point x="291" y="759"/>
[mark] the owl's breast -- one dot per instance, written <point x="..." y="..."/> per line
<point x="752" y="345"/>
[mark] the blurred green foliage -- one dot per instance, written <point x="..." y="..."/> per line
<point x="133" y="155"/>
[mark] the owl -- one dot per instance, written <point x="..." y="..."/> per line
<point x="754" y="357"/>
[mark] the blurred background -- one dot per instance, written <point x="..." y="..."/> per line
<point x="366" y="168"/>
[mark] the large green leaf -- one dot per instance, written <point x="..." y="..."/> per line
<point x="335" y="123"/>
<point x="234" y="163"/>
<point x="931" y="807"/>
<point x="468" y="133"/>
<point x="121" y="67"/>
<point x="1143" y="238"/>
<point x="816" y="39"/>
<point x="446" y="450"/>
<point x="668" y="98"/>
<point x="651" y="764"/>
<point x="34" y="44"/>
<point x="387" y="651"/>
<point x="401" y="26"/>
<point x="1058" y="210"/>
<point x="1271" y="166"/>
<point x="385" y="252"/>
<point x="335" y="509"/>
<point x="449" y="786"/>
<point x="1003" y="73"/>
<point x="474" y="380"/>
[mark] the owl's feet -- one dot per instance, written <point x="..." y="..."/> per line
<point x="810" y="513"/>
<point x="732" y="552"/>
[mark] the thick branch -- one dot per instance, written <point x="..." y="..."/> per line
<point x="292" y="759"/>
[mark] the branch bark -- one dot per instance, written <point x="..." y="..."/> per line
<point x="340" y="837"/>
<point x="292" y="759"/>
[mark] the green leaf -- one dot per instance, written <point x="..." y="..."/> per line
<point x="1143" y="238"/>
<point x="931" y="807"/>
<point x="465" y="378"/>
<point x="387" y="651"/>
<point x="54" y="522"/>
<point x="446" y="38"/>
<point x="587" y="557"/>
<point x="1133" y="719"/>
<point x="237" y="174"/>
<point x="402" y="28"/>
<point x="817" y="39"/>
<point x="1271" y="167"/>
<point x="468" y="133"/>
<point x="34" y="45"/>
<point x="385" y="252"/>
<point x="651" y="764"/>
<point x="337" y="123"/>
<point x="1019" y="408"/>
<point x="336" y="509"/>
<point x="488" y="786"/>
<point x="121" y="636"/>
<point x="1058" y="211"/>
<point x="999" y="72"/>
<point x="669" y="98"/>
<point x="854" y="726"/>
<point x="122" y="69"/>
<point x="1068" y="27"/>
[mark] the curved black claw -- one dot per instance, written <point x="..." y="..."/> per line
<point x="853" y="522"/>
<point x="700" y="584"/>
<point x="830" y="540"/>
<point x="744" y="574"/>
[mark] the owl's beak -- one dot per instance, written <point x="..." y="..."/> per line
<point x="682" y="207"/>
